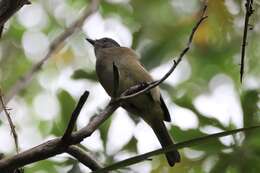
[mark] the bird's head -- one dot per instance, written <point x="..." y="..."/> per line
<point x="103" y="43"/>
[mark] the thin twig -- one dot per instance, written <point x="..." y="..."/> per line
<point x="54" y="46"/>
<point x="84" y="158"/>
<point x="188" y="143"/>
<point x="151" y="85"/>
<point x="12" y="126"/>
<point x="74" y="116"/>
<point x="249" y="12"/>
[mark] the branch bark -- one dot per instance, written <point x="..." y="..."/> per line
<point x="84" y="158"/>
<point x="249" y="12"/>
<point x="56" y="146"/>
<point x="55" y="46"/>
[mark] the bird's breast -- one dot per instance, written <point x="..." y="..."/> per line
<point x="104" y="71"/>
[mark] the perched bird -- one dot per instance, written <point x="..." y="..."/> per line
<point x="149" y="106"/>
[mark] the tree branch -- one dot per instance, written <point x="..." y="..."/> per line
<point x="84" y="158"/>
<point x="56" y="146"/>
<point x="249" y="12"/>
<point x="54" y="46"/>
<point x="175" y="63"/>
<point x="188" y="143"/>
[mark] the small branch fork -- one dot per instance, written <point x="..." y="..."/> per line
<point x="69" y="139"/>
<point x="249" y="12"/>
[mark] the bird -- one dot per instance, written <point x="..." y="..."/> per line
<point x="130" y="72"/>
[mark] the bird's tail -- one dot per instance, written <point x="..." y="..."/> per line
<point x="165" y="139"/>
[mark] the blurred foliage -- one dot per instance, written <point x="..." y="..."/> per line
<point x="67" y="106"/>
<point x="160" y="30"/>
<point x="81" y="74"/>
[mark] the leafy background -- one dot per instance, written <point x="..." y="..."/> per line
<point x="204" y="94"/>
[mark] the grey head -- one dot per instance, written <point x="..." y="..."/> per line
<point x="103" y="43"/>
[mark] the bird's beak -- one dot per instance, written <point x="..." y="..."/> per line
<point x="90" y="41"/>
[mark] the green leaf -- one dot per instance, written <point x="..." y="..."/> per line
<point x="131" y="145"/>
<point x="249" y="105"/>
<point x="13" y="67"/>
<point x="186" y="101"/>
<point x="15" y="31"/>
<point x="76" y="4"/>
<point x="121" y="9"/>
<point x="75" y="169"/>
<point x="82" y="74"/>
<point x="104" y="130"/>
<point x="45" y="127"/>
<point x="178" y="134"/>
<point x="210" y="147"/>
<point x="67" y="104"/>
<point x="45" y="165"/>
<point x="222" y="165"/>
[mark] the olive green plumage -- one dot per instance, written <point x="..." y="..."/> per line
<point x="150" y="106"/>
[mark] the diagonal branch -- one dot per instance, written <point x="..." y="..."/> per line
<point x="249" y="12"/>
<point x="55" y="46"/>
<point x="189" y="143"/>
<point x="175" y="62"/>
<point x="84" y="158"/>
<point x="56" y="146"/>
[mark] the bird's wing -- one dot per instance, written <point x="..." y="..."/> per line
<point x="166" y="113"/>
<point x="134" y="73"/>
<point x="116" y="80"/>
